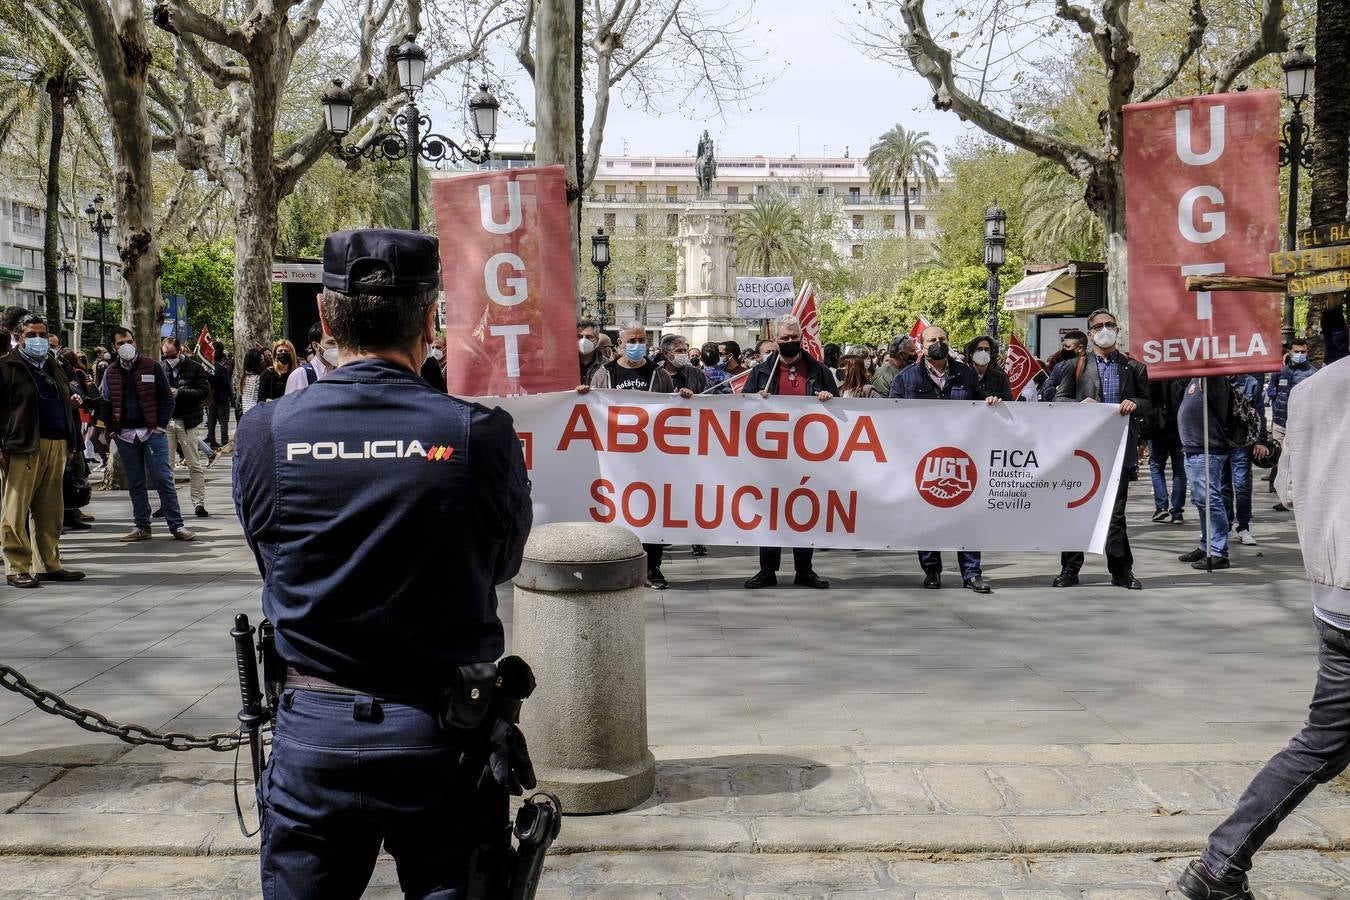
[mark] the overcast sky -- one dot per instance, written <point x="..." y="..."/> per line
<point x="828" y="96"/>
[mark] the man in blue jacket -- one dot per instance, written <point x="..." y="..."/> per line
<point x="1296" y="370"/>
<point x="936" y="376"/>
<point x="382" y="514"/>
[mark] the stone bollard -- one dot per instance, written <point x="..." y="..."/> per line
<point x="578" y="621"/>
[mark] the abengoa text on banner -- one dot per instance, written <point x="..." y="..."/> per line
<point x="796" y="472"/>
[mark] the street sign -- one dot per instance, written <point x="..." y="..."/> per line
<point x="10" y="273"/>
<point x="1320" y="283"/>
<point x="1287" y="263"/>
<point x="1325" y="235"/>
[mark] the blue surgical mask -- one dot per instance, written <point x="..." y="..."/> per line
<point x="36" y="347"/>
<point x="1298" y="359"/>
<point x="635" y="352"/>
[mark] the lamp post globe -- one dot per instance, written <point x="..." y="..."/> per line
<point x="1298" y="69"/>
<point x="483" y="106"/>
<point x="412" y="64"/>
<point x="337" y="109"/>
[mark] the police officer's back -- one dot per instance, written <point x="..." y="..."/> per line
<point x="382" y="514"/>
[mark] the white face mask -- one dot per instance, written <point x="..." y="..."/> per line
<point x="127" y="352"/>
<point x="1104" y="338"/>
<point x="437" y="354"/>
<point x="586" y="346"/>
<point x="172" y="361"/>
<point x="980" y="357"/>
<point x="681" y="359"/>
<point x="330" y="355"/>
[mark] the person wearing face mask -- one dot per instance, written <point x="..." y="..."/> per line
<point x="272" y="385"/>
<point x="605" y="348"/>
<point x="684" y="370"/>
<point x="939" y="377"/>
<point x="1107" y="375"/>
<point x="633" y="371"/>
<point x="39" y="436"/>
<point x="189" y="386"/>
<point x="982" y="355"/>
<point x="320" y="359"/>
<point x="588" y="347"/>
<point x="1296" y="370"/>
<point x="433" y="367"/>
<point x="899" y="355"/>
<point x="729" y="355"/>
<point x="138" y="404"/>
<point x="789" y="371"/>
<point x="709" y="357"/>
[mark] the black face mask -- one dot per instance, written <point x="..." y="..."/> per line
<point x="284" y="357"/>
<point x="790" y="349"/>
<point x="940" y="350"/>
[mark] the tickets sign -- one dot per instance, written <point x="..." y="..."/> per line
<point x="795" y="472"/>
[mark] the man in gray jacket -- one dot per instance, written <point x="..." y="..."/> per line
<point x="1312" y="483"/>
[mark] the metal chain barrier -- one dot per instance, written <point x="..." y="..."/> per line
<point x="90" y="720"/>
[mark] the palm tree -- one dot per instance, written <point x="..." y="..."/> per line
<point x="898" y="157"/>
<point x="769" y="235"/>
<point x="1059" y="224"/>
<point x="38" y="81"/>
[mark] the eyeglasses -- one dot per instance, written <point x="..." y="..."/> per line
<point x="1100" y="325"/>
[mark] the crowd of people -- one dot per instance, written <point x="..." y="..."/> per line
<point x="1167" y="420"/>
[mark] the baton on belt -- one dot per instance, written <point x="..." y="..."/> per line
<point x="252" y="715"/>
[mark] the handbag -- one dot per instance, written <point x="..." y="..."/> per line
<point x="75" y="490"/>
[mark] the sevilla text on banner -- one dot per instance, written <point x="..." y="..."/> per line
<point x="1202" y="198"/>
<point x="795" y="472"/>
<point x="506" y="270"/>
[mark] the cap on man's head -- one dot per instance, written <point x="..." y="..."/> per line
<point x="410" y="259"/>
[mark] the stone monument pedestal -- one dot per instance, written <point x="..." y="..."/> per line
<point x="705" y="288"/>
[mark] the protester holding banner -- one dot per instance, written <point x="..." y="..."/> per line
<point x="684" y="371"/>
<point x="588" y="349"/>
<point x="633" y="371"/>
<point x="1108" y="376"/>
<point x="791" y="371"/>
<point x="939" y="377"/>
<point x="982" y="354"/>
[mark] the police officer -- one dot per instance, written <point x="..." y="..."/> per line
<point x="382" y="513"/>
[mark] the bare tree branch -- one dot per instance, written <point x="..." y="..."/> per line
<point x="177" y="17"/>
<point x="1195" y="35"/>
<point x="221" y="75"/>
<point x="1271" y="38"/>
<point x="523" y="53"/>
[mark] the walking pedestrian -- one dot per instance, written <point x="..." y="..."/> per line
<point x="1296" y="370"/>
<point x="221" y="379"/>
<point x="272" y="383"/>
<point x="189" y="387"/>
<point x="1164" y="449"/>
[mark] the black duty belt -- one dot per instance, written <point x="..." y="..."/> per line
<point x="303" y="680"/>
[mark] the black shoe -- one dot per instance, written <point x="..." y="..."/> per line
<point x="762" y="579"/>
<point x="656" y="581"/>
<point x="1214" y="562"/>
<point x="932" y="580"/>
<point x="698" y="550"/>
<point x="1161" y="515"/>
<point x="1178" y="519"/>
<point x="1280" y="507"/>
<point x="1197" y="884"/>
<point x="158" y="513"/>
<point x="201" y="512"/>
<point x="1191" y="557"/>
<point x="1065" y="578"/>
<point x="1127" y="581"/>
<point x="978" y="584"/>
<point x="811" y="580"/>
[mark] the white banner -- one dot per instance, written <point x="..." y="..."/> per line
<point x="764" y="298"/>
<point x="853" y="474"/>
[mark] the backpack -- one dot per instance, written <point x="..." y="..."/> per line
<point x="311" y="376"/>
<point x="1244" y="425"/>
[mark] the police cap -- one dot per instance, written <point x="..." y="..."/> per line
<point x="410" y="258"/>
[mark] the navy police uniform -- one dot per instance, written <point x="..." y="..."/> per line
<point x="382" y="514"/>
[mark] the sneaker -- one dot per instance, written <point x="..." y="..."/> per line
<point x="183" y="534"/>
<point x="1280" y="507"/>
<point x="1213" y="564"/>
<point x="1198" y="884"/>
<point x="1178" y="519"/>
<point x="656" y="581"/>
<point x="1161" y="515"/>
<point x="698" y="549"/>
<point x="158" y="513"/>
<point x="1191" y="557"/>
<point x="136" y="534"/>
<point x="1245" y="536"/>
<point x="202" y="513"/>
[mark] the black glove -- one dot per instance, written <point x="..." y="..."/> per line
<point x="508" y="761"/>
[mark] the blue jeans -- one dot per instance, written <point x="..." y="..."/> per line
<point x="1315" y="756"/>
<point x="1214" y="534"/>
<point x="152" y="456"/>
<point x="1160" y="454"/>
<point x="931" y="560"/>
<point x="349" y="773"/>
<point x="1237" y="481"/>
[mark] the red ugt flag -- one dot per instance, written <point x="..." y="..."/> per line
<point x="919" y="325"/>
<point x="1020" y="365"/>
<point x="204" y="348"/>
<point x="804" y="308"/>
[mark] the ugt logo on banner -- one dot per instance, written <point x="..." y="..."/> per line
<point x="946" y="477"/>
<point x="506" y="269"/>
<point x="1202" y="198"/>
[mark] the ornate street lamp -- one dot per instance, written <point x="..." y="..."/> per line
<point x="995" y="244"/>
<point x="1296" y="152"/>
<point x="100" y="223"/>
<point x="410" y="135"/>
<point x="600" y="259"/>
